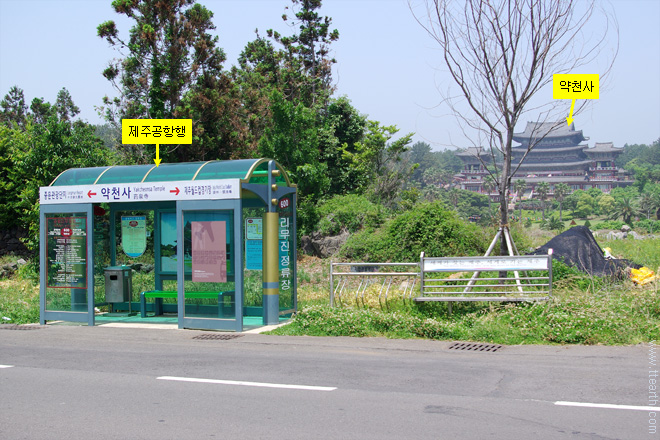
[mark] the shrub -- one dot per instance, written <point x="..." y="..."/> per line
<point x="648" y="226"/>
<point x="429" y="227"/>
<point x="352" y="212"/>
<point x="609" y="224"/>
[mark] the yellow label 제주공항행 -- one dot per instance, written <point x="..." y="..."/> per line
<point x="156" y="131"/>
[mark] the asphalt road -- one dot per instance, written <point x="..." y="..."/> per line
<point x="77" y="382"/>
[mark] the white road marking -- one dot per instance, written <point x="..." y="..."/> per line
<point x="609" y="405"/>
<point x="247" y="384"/>
<point x="6" y="366"/>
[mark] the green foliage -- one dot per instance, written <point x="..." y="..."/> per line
<point x="19" y="301"/>
<point x="293" y="140"/>
<point x="307" y="65"/>
<point x="645" y="252"/>
<point x="429" y="227"/>
<point x="36" y="156"/>
<point x="575" y="316"/>
<point x="649" y="226"/>
<point x="554" y="224"/>
<point x="377" y="163"/>
<point x="435" y="168"/>
<point x="609" y="224"/>
<point x="351" y="212"/>
<point x="14" y="110"/>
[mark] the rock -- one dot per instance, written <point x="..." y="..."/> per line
<point x="147" y="268"/>
<point x="321" y="246"/>
<point x="21" y="262"/>
<point x="625" y="228"/>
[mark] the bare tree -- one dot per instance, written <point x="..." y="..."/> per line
<point x="501" y="54"/>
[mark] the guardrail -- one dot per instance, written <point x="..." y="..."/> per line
<point x="445" y="279"/>
<point x="354" y="284"/>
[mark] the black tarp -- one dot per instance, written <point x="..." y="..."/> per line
<point x="578" y="248"/>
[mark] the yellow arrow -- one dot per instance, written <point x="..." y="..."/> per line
<point x="570" y="114"/>
<point x="157" y="159"/>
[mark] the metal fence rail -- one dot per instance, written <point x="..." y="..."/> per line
<point x="363" y="278"/>
<point x="486" y="278"/>
<point x="453" y="279"/>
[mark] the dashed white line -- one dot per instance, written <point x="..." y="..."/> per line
<point x="247" y="384"/>
<point x="609" y="406"/>
<point x="6" y="366"/>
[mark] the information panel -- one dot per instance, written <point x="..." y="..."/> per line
<point x="66" y="252"/>
<point x="253" y="243"/>
<point x="209" y="251"/>
<point x="134" y="235"/>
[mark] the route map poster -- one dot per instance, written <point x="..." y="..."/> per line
<point x="66" y="252"/>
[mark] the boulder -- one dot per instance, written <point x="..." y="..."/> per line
<point x="322" y="246"/>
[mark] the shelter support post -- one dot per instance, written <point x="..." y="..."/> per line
<point x="271" y="281"/>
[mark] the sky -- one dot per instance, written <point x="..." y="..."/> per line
<point x="387" y="64"/>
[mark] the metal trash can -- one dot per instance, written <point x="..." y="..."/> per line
<point x="118" y="284"/>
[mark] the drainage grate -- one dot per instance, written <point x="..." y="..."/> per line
<point x="466" y="346"/>
<point x="216" y="336"/>
<point x="20" y="327"/>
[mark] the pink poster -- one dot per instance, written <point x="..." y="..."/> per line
<point x="209" y="252"/>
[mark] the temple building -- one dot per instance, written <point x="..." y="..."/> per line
<point x="559" y="155"/>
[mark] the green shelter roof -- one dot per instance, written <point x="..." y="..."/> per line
<point x="248" y="170"/>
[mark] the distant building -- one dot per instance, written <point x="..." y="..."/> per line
<point x="558" y="157"/>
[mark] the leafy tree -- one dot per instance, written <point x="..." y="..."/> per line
<point x="624" y="207"/>
<point x="38" y="154"/>
<point x="606" y="203"/>
<point x="585" y="206"/>
<point x="649" y="203"/>
<point x="561" y="191"/>
<point x="308" y="70"/>
<point x="13" y="107"/>
<point x="489" y="186"/>
<point x="169" y="53"/>
<point x="543" y="190"/>
<point x="293" y="140"/>
<point x="553" y="224"/>
<point x="519" y="187"/>
<point x="41" y="110"/>
<point x="376" y="162"/>
<point x="344" y="128"/>
<point x="64" y="107"/>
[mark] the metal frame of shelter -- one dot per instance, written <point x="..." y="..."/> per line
<point x="192" y="192"/>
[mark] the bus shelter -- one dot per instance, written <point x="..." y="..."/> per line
<point x="218" y="239"/>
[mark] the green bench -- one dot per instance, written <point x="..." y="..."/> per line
<point x="224" y="310"/>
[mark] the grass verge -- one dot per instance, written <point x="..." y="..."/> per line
<point x="615" y="317"/>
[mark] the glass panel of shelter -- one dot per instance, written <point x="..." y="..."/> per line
<point x="66" y="262"/>
<point x="209" y="264"/>
<point x="252" y="233"/>
<point x="134" y="247"/>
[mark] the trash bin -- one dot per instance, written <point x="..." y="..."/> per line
<point x="118" y="284"/>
